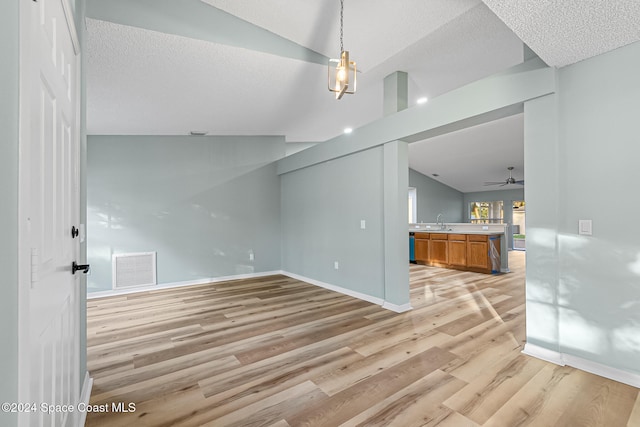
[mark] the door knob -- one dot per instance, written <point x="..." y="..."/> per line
<point x="80" y="267"/>
<point x="74" y="232"/>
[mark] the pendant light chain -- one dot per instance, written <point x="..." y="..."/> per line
<point x="341" y="21"/>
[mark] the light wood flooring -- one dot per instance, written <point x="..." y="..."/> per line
<point x="279" y="352"/>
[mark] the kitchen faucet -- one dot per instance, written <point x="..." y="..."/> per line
<point x="440" y="221"/>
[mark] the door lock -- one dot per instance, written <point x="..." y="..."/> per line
<point x="74" y="232"/>
<point x="80" y="267"/>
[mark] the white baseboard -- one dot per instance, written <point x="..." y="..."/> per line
<point x="592" y="367"/>
<point x="397" y="308"/>
<point x="375" y="300"/>
<point x="339" y="289"/>
<point x="85" y="396"/>
<point x="543" y="353"/>
<point x="605" y="371"/>
<point x="114" y="292"/>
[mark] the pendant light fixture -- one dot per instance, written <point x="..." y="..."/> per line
<point x="342" y="72"/>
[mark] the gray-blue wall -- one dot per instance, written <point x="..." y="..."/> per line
<point x="581" y="162"/>
<point x="322" y="206"/>
<point x="434" y="197"/>
<point x="204" y="204"/>
<point x="9" y="74"/>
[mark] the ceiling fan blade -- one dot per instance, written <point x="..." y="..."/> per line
<point x="521" y="182"/>
<point x="494" y="183"/>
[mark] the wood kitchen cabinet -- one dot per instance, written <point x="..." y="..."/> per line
<point x="470" y="252"/>
<point x="458" y="250"/>
<point x="421" y="247"/>
<point x="438" y="249"/>
<point x="478" y="252"/>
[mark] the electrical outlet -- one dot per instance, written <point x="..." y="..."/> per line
<point x="336" y="265"/>
<point x="485" y="227"/>
<point x="251" y="257"/>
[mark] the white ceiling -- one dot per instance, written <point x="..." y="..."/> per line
<point x="156" y="82"/>
<point x="563" y="32"/>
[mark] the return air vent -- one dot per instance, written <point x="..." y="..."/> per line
<point x="130" y="270"/>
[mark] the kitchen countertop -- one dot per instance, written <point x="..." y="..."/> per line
<point x="485" y="232"/>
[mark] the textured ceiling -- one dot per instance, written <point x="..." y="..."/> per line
<point x="151" y="82"/>
<point x="158" y="67"/>
<point x="373" y="30"/>
<point x="563" y="32"/>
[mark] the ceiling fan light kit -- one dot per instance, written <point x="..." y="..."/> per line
<point x="342" y="72"/>
<point x="510" y="180"/>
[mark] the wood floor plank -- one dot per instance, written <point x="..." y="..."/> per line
<point x="272" y="409"/>
<point x="634" y="418"/>
<point x="354" y="373"/>
<point x="235" y="395"/>
<point x="416" y="405"/>
<point x="348" y="403"/>
<point x="275" y="351"/>
<point x="490" y="390"/>
<point x="600" y="403"/>
<point x="542" y="400"/>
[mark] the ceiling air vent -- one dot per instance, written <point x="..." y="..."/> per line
<point x="131" y="270"/>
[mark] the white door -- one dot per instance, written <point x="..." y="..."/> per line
<point x="49" y="208"/>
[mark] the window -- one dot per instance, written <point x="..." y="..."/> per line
<point x="413" y="205"/>
<point x="486" y="212"/>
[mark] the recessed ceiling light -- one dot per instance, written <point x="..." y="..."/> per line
<point x="348" y="130"/>
<point x="422" y="100"/>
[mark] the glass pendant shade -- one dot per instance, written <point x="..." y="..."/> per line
<point x="342" y="75"/>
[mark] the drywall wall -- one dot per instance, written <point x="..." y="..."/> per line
<point x="435" y="198"/>
<point x="322" y="207"/>
<point x="9" y="83"/>
<point x="328" y="169"/>
<point x="599" y="287"/>
<point x="581" y="151"/>
<point x="206" y="205"/>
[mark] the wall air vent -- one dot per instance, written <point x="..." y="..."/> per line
<point x="131" y="270"/>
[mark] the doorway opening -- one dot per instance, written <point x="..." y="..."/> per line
<point x="519" y="231"/>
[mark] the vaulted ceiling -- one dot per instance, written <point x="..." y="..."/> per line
<point x="248" y="67"/>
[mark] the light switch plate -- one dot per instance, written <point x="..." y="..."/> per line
<point x="585" y="227"/>
<point x="363" y="224"/>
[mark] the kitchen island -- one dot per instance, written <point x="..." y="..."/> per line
<point x="468" y="247"/>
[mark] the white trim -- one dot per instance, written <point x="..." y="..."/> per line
<point x="543" y="353"/>
<point x="375" y="300"/>
<point x="71" y="23"/>
<point x="85" y="397"/>
<point x="397" y="308"/>
<point x="339" y="289"/>
<point x="605" y="371"/>
<point x="114" y="292"/>
<point x="590" y="366"/>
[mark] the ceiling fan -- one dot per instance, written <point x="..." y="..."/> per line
<point x="510" y="180"/>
